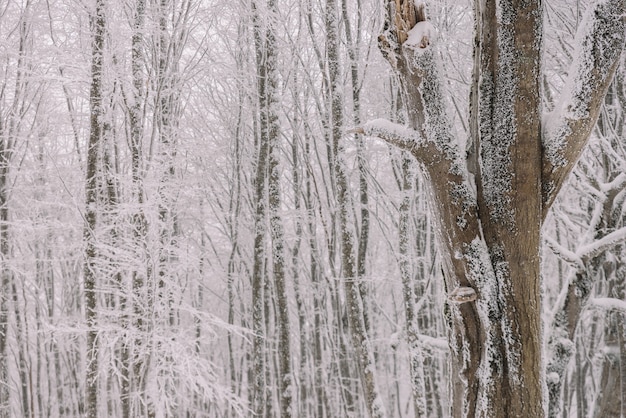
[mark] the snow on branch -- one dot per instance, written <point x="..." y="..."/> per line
<point x="597" y="247"/>
<point x="440" y="344"/>
<point x="586" y="252"/>
<point x="599" y="41"/>
<point x="564" y="254"/>
<point x="617" y="183"/>
<point x="420" y="36"/>
<point x="395" y="134"/>
<point x="609" y="304"/>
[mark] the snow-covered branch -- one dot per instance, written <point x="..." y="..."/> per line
<point x="617" y="183"/>
<point x="586" y="252"/>
<point x="395" y="134"/>
<point x="564" y="254"/>
<point x="440" y="344"/>
<point x="600" y="40"/>
<point x="591" y="250"/>
<point x="609" y="304"/>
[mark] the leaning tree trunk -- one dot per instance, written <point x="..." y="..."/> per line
<point x="490" y="201"/>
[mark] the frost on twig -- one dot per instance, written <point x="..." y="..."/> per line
<point x="395" y="134"/>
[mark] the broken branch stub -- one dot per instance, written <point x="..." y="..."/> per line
<point x="462" y="294"/>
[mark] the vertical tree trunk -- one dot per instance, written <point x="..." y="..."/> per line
<point x="271" y="134"/>
<point x="130" y="363"/>
<point x="354" y="302"/>
<point x="5" y="273"/>
<point x="91" y="206"/>
<point x="416" y="359"/>
<point x="318" y="288"/>
<point x="258" y="371"/>
<point x="363" y="239"/>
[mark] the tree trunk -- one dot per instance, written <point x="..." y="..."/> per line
<point x="491" y="201"/>
<point x="416" y="358"/>
<point x="91" y="207"/>
<point x="259" y="384"/>
<point x="5" y="273"/>
<point x="354" y="302"/>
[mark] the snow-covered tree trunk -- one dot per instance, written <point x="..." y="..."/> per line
<point x="416" y="356"/>
<point x="131" y="368"/>
<point x="91" y="204"/>
<point x="490" y="199"/>
<point x="354" y="302"/>
<point x="5" y="273"/>
<point x="259" y="371"/>
<point x="270" y="132"/>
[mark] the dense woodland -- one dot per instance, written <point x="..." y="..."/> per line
<point x="192" y="223"/>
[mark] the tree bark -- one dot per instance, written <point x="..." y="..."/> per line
<point x="271" y="134"/>
<point x="416" y="357"/>
<point x="91" y="206"/>
<point x="259" y="384"/>
<point x="354" y="302"/>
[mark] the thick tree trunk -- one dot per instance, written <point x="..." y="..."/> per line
<point x="490" y="204"/>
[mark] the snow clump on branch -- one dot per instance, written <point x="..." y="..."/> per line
<point x="420" y="36"/>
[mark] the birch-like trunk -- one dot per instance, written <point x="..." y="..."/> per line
<point x="490" y="201"/>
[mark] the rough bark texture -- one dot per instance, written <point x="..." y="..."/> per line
<point x="491" y="202"/>
<point x="270" y="132"/>
<point x="416" y="357"/>
<point x="91" y="200"/>
<point x="354" y="302"/>
<point x="5" y="278"/>
<point x="258" y="271"/>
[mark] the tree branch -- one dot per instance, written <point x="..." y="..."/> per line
<point x="564" y="254"/>
<point x="609" y="304"/>
<point x="597" y="247"/>
<point x="395" y="134"/>
<point x="616" y="184"/>
<point x="567" y="129"/>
